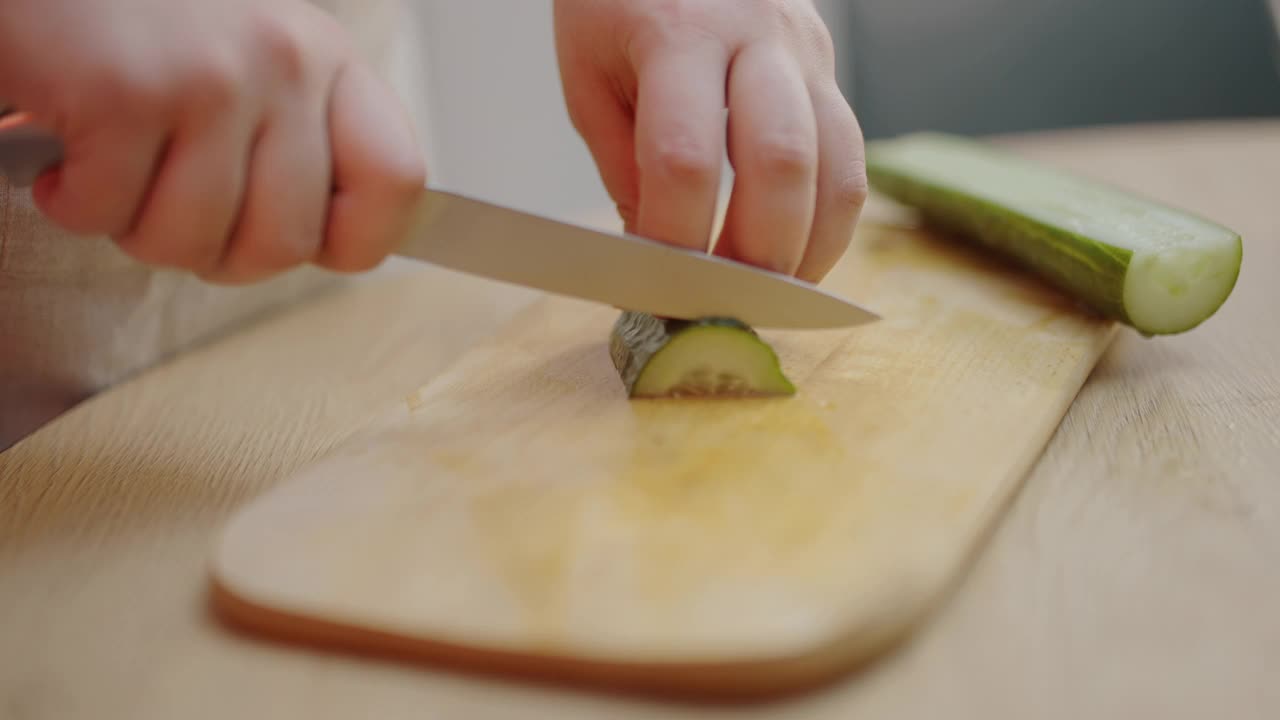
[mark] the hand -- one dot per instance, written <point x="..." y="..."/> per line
<point x="646" y="83"/>
<point x="235" y="139"/>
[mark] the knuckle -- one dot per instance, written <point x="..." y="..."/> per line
<point x="782" y="18"/>
<point x="679" y="14"/>
<point x="817" y="38"/>
<point x="403" y="178"/>
<point x="667" y="22"/>
<point x="802" y="28"/>
<point x="784" y="14"/>
<point x="851" y="189"/>
<point x="327" y="30"/>
<point x="685" y="161"/>
<point x="284" y="46"/>
<point x="132" y="93"/>
<point x="214" y="83"/>
<point x="786" y="157"/>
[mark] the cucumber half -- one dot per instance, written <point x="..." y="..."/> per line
<point x="1157" y="269"/>
<point x="710" y="357"/>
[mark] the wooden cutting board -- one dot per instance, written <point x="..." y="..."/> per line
<point x="520" y="515"/>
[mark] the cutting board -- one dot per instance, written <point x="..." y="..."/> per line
<point x="520" y="515"/>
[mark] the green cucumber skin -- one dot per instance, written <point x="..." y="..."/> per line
<point x="1090" y="271"/>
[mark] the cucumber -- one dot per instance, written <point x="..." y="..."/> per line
<point x="709" y="357"/>
<point x="1157" y="269"/>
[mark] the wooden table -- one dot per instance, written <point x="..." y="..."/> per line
<point x="1137" y="575"/>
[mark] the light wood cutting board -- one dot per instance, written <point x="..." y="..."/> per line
<point x="520" y="515"/>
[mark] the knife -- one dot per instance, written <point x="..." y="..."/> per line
<point x="626" y="271"/>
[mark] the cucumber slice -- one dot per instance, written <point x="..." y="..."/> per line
<point x="1157" y="269"/>
<point x="719" y="357"/>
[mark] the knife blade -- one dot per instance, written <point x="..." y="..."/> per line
<point x="503" y="244"/>
<point x="623" y="270"/>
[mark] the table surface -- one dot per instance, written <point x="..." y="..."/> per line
<point x="1136" y="575"/>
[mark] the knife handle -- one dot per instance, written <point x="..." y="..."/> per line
<point x="26" y="150"/>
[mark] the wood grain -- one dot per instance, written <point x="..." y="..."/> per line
<point x="520" y="507"/>
<point x="1135" y="575"/>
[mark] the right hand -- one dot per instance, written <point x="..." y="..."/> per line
<point x="235" y="139"/>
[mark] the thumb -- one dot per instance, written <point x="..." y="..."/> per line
<point x="378" y="171"/>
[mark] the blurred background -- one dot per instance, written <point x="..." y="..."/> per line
<point x="495" y="123"/>
<point x="990" y="66"/>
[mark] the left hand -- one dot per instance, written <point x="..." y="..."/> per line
<point x="646" y="83"/>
